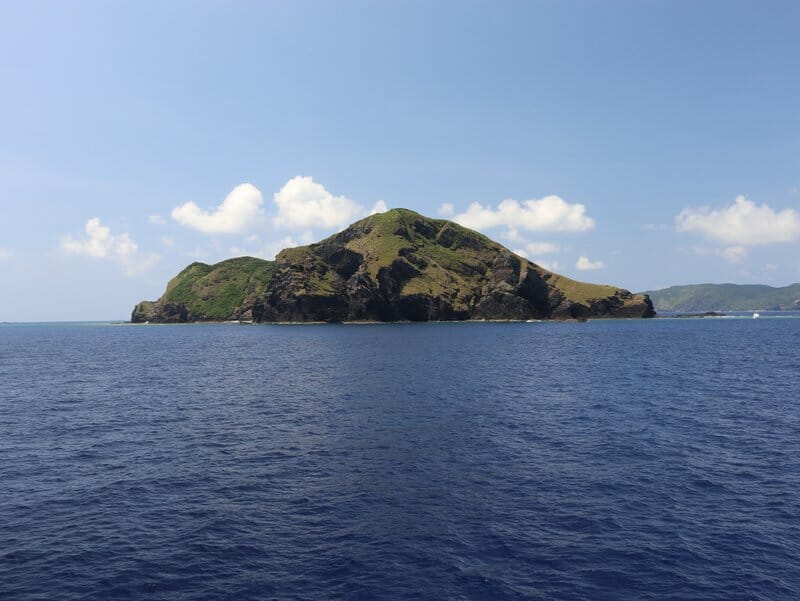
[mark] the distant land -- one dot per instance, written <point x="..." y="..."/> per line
<point x="726" y="297"/>
<point x="392" y="266"/>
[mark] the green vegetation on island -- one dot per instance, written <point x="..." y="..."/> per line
<point x="224" y="291"/>
<point x="726" y="297"/>
<point x="392" y="266"/>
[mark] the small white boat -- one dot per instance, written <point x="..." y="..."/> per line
<point x="756" y="316"/>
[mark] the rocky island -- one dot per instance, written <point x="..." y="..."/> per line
<point x="392" y="266"/>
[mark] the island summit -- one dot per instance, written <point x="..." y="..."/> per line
<point x="392" y="266"/>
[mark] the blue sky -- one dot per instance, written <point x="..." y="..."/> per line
<point x="639" y="143"/>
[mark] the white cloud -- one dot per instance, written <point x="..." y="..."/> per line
<point x="541" y="248"/>
<point x="733" y="254"/>
<point x="548" y="265"/>
<point x="157" y="220"/>
<point x="552" y="265"/>
<point x="168" y="242"/>
<point x="743" y="223"/>
<point x="6" y="253"/>
<point x="100" y="243"/>
<point x="303" y="203"/>
<point x="584" y="264"/>
<point x="532" y="249"/>
<point x="267" y="251"/>
<point x="514" y="236"/>
<point x="447" y="209"/>
<point x="551" y="213"/>
<point x="240" y="211"/>
<point x="379" y="207"/>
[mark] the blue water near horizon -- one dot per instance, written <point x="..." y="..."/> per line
<point x="633" y="459"/>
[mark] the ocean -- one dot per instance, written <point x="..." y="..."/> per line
<point x="630" y="459"/>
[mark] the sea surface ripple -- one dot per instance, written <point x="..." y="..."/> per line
<point x="653" y="459"/>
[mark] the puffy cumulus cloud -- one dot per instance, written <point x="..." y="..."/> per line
<point x="447" y="210"/>
<point x="744" y="223"/>
<point x="303" y="203"/>
<point x="548" y="214"/>
<point x="584" y="264"/>
<point x="100" y="243"/>
<point x="379" y="207"/>
<point x="156" y="220"/>
<point x="240" y="211"/>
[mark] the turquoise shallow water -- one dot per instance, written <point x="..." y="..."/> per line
<point x="607" y="460"/>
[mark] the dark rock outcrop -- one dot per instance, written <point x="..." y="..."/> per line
<point x="400" y="265"/>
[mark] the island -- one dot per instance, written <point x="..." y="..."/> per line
<point x="392" y="266"/>
<point x="726" y="297"/>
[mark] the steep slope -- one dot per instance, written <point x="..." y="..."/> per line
<point x="397" y="265"/>
<point x="224" y="291"/>
<point x="400" y="265"/>
<point x="726" y="297"/>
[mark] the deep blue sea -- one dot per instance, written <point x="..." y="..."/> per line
<point x="634" y="459"/>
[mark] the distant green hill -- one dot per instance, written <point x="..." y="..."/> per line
<point x="725" y="297"/>
<point x="227" y="290"/>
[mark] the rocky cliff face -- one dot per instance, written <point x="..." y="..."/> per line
<point x="400" y="265"/>
<point x="393" y="266"/>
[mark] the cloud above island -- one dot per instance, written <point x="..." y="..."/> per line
<point x="240" y="212"/>
<point x="303" y="203"/>
<point x="303" y="206"/>
<point x="548" y="214"/>
<point x="584" y="264"/>
<point x="541" y="248"/>
<point x="101" y="243"/>
<point x="743" y="223"/>
<point x="300" y="204"/>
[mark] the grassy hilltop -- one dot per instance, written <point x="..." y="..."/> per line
<point x="226" y="290"/>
